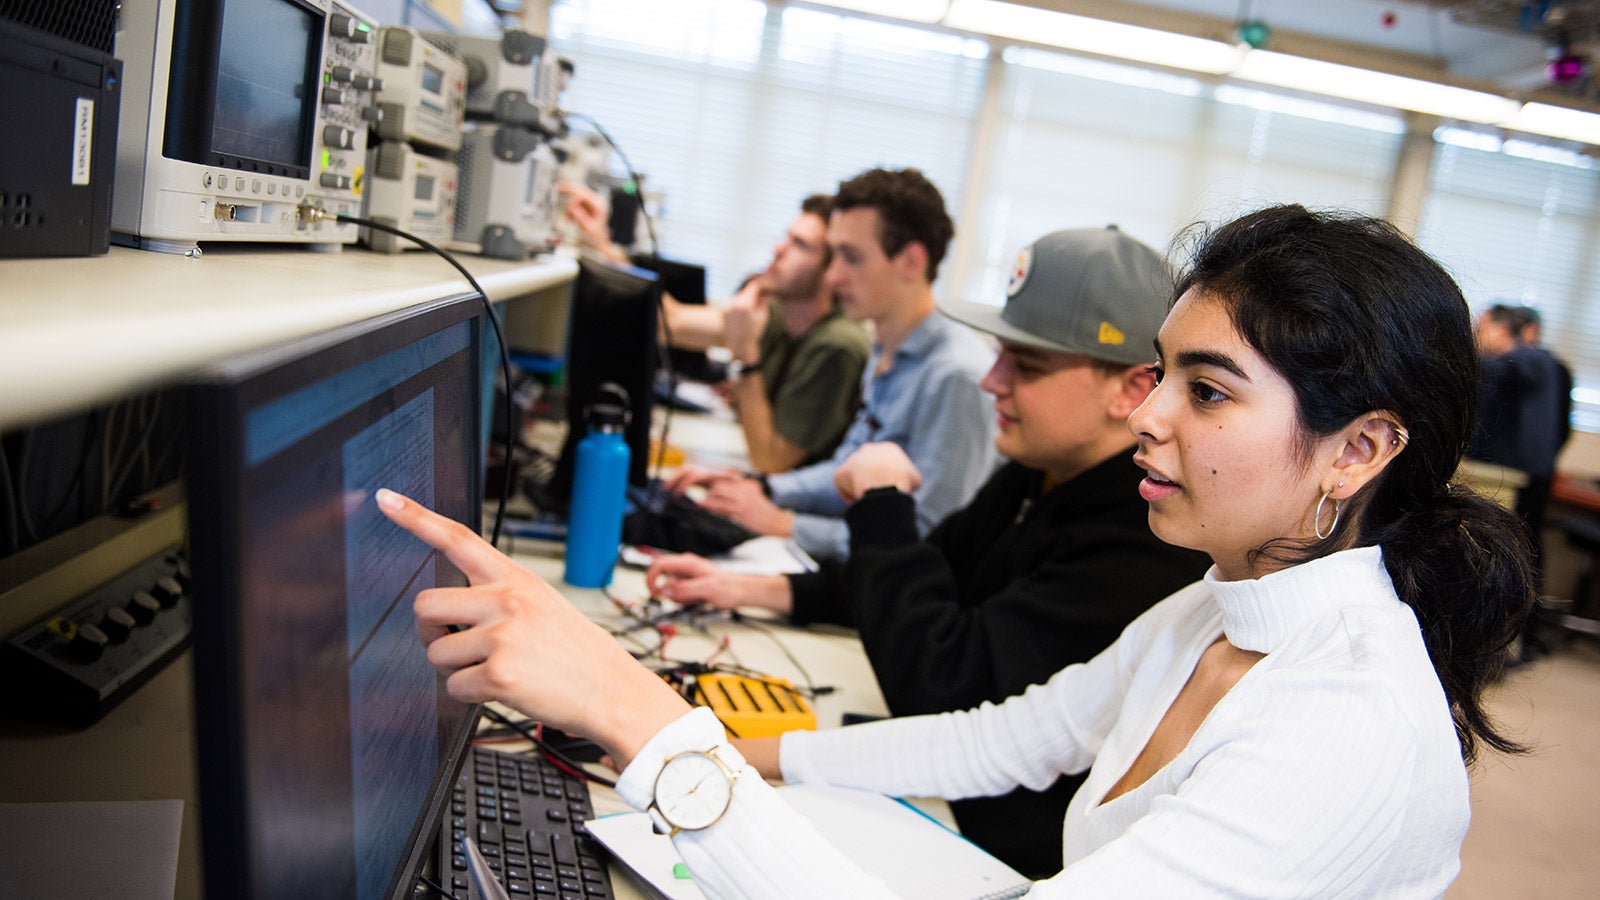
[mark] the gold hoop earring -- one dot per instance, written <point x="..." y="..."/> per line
<point x="1316" y="521"/>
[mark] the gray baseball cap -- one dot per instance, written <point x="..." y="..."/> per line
<point x="1093" y="291"/>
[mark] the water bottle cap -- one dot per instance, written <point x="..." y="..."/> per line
<point x="608" y="412"/>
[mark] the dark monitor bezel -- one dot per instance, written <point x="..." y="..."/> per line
<point x="686" y="282"/>
<point x="599" y="348"/>
<point x="195" y="63"/>
<point x="216" y="408"/>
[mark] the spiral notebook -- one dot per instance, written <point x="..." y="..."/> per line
<point x="915" y="855"/>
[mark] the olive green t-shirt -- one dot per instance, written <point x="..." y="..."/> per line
<point x="813" y="381"/>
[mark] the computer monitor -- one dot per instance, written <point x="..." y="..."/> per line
<point x="611" y="338"/>
<point x="686" y="282"/>
<point x="326" y="741"/>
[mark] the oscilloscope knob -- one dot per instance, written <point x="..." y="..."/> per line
<point x="341" y="25"/>
<point x="167" y="590"/>
<point x="333" y="96"/>
<point x="143" y="606"/>
<point x="338" y="137"/>
<point x="340" y="73"/>
<point x="89" y="643"/>
<point x="117" y="624"/>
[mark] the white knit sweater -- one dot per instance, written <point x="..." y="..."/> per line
<point x="1331" y="769"/>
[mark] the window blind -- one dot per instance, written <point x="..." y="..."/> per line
<point x="1520" y="223"/>
<point x="735" y="111"/>
<point x="1088" y="143"/>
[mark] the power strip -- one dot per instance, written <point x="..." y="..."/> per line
<point x="753" y="707"/>
<point x="76" y="664"/>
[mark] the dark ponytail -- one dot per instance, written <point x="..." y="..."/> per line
<point x="1358" y="320"/>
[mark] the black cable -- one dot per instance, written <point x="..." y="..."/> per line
<point x="499" y="336"/>
<point x="81" y="483"/>
<point x="140" y="448"/>
<point x="23" y="454"/>
<point x="633" y="175"/>
<point x="177" y="430"/>
<point x="546" y="748"/>
<point x="640" y="621"/>
<point x="438" y="888"/>
<point x="13" y="534"/>
<point x="810" y="685"/>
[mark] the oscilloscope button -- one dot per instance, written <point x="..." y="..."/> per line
<point x="167" y="589"/>
<point x="143" y="607"/>
<point x="117" y="624"/>
<point x="89" y="643"/>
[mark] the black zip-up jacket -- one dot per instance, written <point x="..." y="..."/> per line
<point x="1002" y="594"/>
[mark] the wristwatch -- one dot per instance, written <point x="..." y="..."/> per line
<point x="738" y="369"/>
<point x="692" y="792"/>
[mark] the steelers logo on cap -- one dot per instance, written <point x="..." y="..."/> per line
<point x="1019" y="272"/>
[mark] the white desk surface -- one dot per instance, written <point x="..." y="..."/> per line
<point x="82" y="331"/>
<point x="832" y="657"/>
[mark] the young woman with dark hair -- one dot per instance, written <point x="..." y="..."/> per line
<point x="1297" y="723"/>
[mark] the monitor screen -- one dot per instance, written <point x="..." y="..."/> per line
<point x="686" y="282"/>
<point x="267" y="64"/>
<point x="611" y="338"/>
<point x="326" y="740"/>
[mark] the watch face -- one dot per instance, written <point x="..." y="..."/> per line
<point x="692" y="791"/>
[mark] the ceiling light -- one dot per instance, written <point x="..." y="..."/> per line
<point x="1557" y="122"/>
<point x="1043" y="26"/>
<point x="926" y="11"/>
<point x="1378" y="88"/>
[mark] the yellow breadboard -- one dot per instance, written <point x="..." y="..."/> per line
<point x="754" y="707"/>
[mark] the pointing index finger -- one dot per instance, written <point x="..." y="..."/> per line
<point x="470" y="553"/>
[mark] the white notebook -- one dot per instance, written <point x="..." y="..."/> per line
<point x="915" y="855"/>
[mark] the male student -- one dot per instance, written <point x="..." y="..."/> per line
<point x="1050" y="560"/>
<point x="1524" y="418"/>
<point x="888" y="233"/>
<point x="798" y="360"/>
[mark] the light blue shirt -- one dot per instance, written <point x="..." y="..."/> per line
<point x="928" y="402"/>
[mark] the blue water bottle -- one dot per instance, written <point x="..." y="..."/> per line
<point x="599" y="490"/>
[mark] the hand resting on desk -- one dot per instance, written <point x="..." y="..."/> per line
<point x="687" y="578"/>
<point x="735" y="496"/>
<point x="521" y="643"/>
<point x="699" y="476"/>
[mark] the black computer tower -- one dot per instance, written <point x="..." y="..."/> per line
<point x="60" y="93"/>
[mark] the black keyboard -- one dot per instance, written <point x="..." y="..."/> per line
<point x="527" y="817"/>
